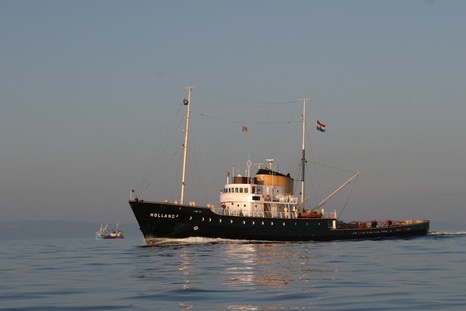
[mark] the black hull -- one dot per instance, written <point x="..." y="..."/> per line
<point x="166" y="220"/>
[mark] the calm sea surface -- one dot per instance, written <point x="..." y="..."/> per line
<point x="427" y="273"/>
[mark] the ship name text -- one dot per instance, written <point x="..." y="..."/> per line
<point x="162" y="215"/>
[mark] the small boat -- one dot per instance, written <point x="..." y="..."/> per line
<point x="260" y="208"/>
<point x="103" y="233"/>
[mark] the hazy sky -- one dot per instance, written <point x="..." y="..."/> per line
<point x="88" y="90"/>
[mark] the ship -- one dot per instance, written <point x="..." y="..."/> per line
<point x="103" y="233"/>
<point x="262" y="207"/>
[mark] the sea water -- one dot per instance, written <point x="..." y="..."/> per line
<point x="425" y="273"/>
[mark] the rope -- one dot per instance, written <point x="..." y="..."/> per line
<point x="333" y="167"/>
<point x="243" y="122"/>
<point x="158" y="154"/>
<point x="158" y="172"/>
<point x="241" y="101"/>
<point x="347" y="199"/>
<point x="146" y="181"/>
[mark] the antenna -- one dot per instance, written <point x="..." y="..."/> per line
<point x="248" y="164"/>
<point x="270" y="161"/>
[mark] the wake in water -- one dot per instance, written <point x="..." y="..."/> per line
<point x="446" y="233"/>
<point x="198" y="240"/>
<point x="201" y="240"/>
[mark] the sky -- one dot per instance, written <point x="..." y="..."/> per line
<point x="89" y="89"/>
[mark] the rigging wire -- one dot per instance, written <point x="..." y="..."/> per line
<point x="243" y="122"/>
<point x="333" y="167"/>
<point x="175" y="177"/>
<point x="223" y="99"/>
<point x="347" y="199"/>
<point x="161" y="149"/>
<point x="287" y="139"/>
<point x="265" y="140"/>
<point x="239" y="100"/>
<point x="170" y="159"/>
<point x="311" y="151"/>
<point x="202" y="169"/>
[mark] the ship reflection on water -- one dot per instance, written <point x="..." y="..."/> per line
<point x="217" y="270"/>
<point x="252" y="266"/>
<point x="257" y="265"/>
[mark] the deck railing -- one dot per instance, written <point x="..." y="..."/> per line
<point x="262" y="214"/>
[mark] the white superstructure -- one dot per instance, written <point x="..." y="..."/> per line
<point x="268" y="194"/>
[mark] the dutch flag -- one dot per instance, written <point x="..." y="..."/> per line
<point x="320" y="126"/>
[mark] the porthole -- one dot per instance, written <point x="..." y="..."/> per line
<point x="231" y="221"/>
<point x="196" y="228"/>
<point x="190" y="217"/>
<point x="253" y="222"/>
<point x="220" y="220"/>
<point x="271" y="223"/>
<point x="262" y="223"/>
<point x="244" y="222"/>
<point x="210" y="219"/>
<point x="283" y="223"/>
<point x="202" y="218"/>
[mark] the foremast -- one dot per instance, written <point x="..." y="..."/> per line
<point x="186" y="140"/>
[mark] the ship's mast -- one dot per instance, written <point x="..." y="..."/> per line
<point x="303" y="148"/>
<point x="185" y="145"/>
